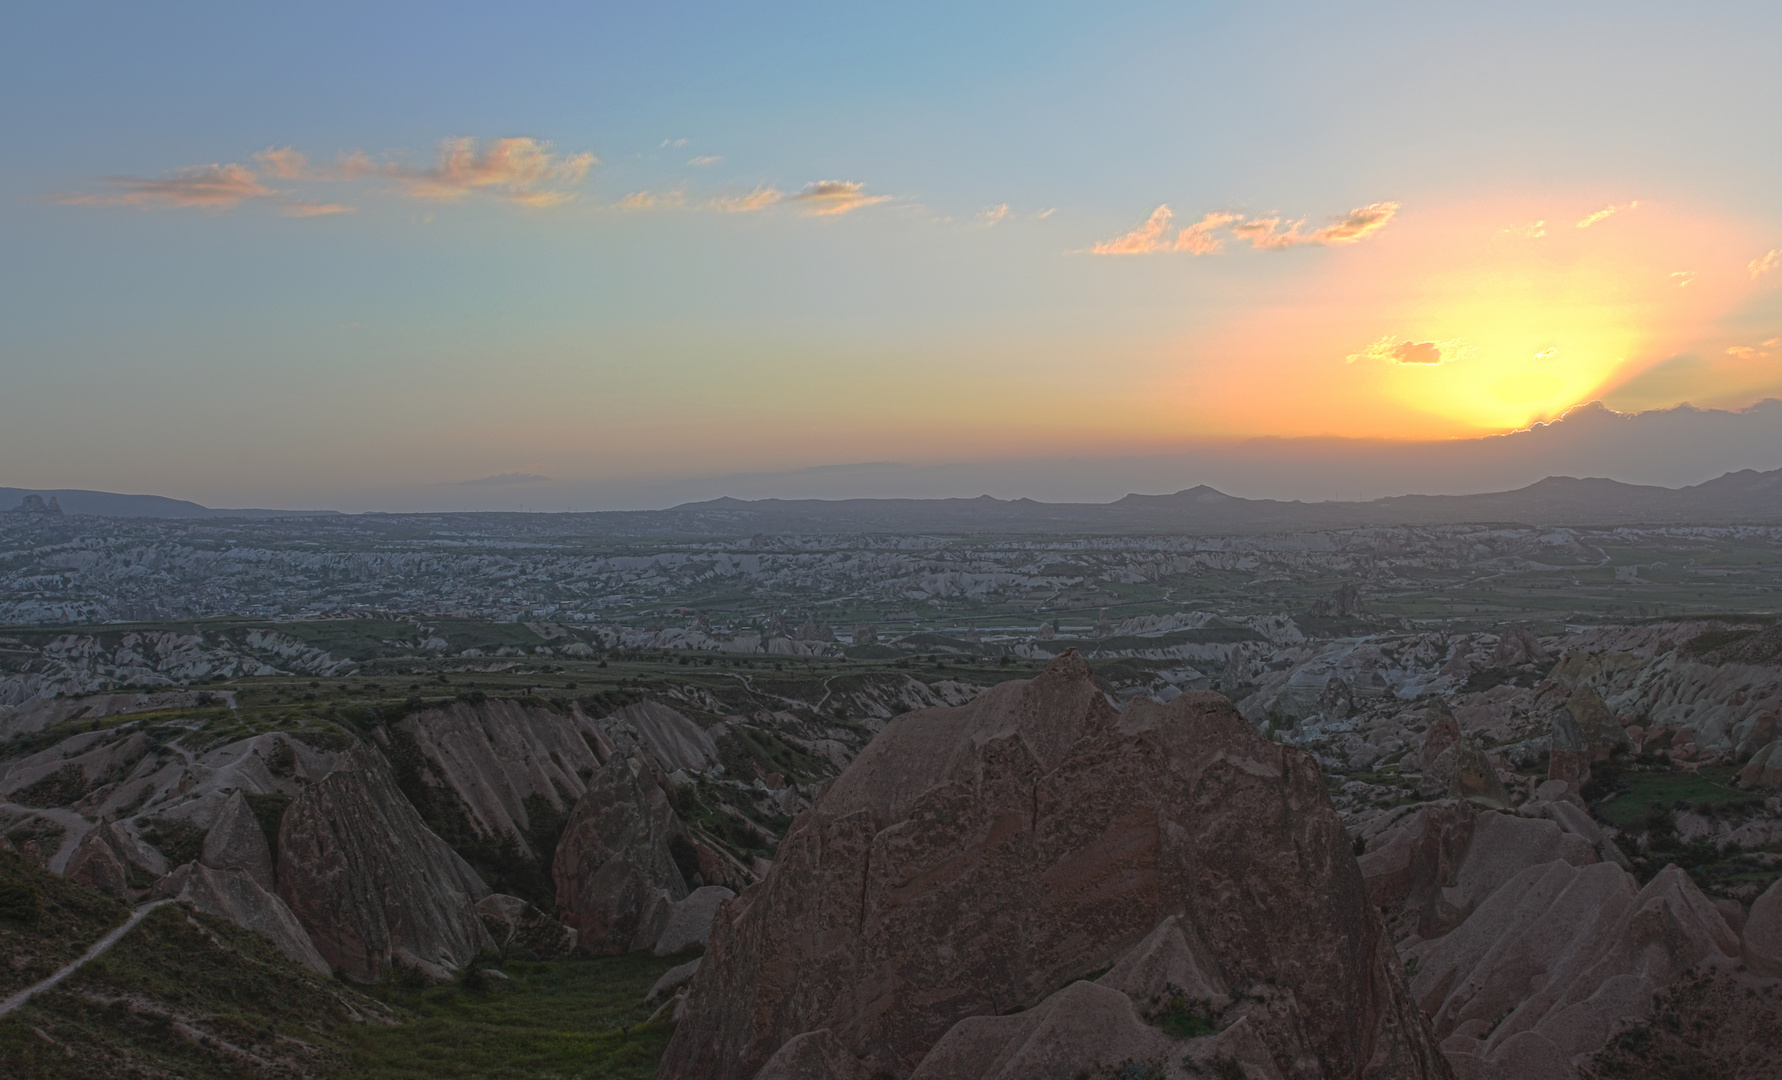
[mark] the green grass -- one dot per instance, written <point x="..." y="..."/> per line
<point x="171" y="999"/>
<point x="1709" y="787"/>
<point x="46" y="921"/>
<point x="557" y="1019"/>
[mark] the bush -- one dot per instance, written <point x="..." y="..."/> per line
<point x="19" y="902"/>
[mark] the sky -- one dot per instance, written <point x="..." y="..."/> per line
<point x="577" y="256"/>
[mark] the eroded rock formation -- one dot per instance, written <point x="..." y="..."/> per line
<point x="370" y="883"/>
<point x="615" y="874"/>
<point x="981" y="859"/>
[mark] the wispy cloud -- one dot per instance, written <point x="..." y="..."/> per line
<point x="1682" y="278"/>
<point x="759" y="199"/>
<point x="315" y="209"/>
<point x="520" y="170"/>
<point x="1146" y="238"/>
<point x="1267" y="234"/>
<point x="205" y="187"/>
<point x="990" y="216"/>
<point x="523" y="170"/>
<point x="827" y="198"/>
<point x="1395" y="350"/>
<point x="1606" y="212"/>
<point x="1202" y="237"/>
<point x="504" y="479"/>
<point x="1765" y="263"/>
<point x="672" y="144"/>
<point x="653" y="200"/>
<point x="1534" y="230"/>
<point x="702" y="162"/>
<point x="283" y="163"/>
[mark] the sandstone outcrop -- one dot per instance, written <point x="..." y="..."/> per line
<point x="1443" y="733"/>
<point x="236" y="842"/>
<point x="97" y="864"/>
<point x="1765" y="767"/>
<point x="1558" y="961"/>
<point x="495" y="755"/>
<point x="689" y="921"/>
<point x="1762" y="932"/>
<point x="520" y="929"/>
<point x="235" y="895"/>
<point x="615" y="875"/>
<point x="985" y="858"/>
<point x="1463" y="771"/>
<point x="670" y="739"/>
<point x="368" y="880"/>
<point x="1442" y="862"/>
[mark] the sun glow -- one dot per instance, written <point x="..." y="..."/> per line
<point x="1465" y="321"/>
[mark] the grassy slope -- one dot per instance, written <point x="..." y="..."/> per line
<point x="184" y="996"/>
<point x="557" y="1019"/>
<point x="68" y="918"/>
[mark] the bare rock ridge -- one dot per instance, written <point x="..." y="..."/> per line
<point x="357" y="860"/>
<point x="992" y="857"/>
<point x="370" y="883"/>
<point x="494" y="757"/>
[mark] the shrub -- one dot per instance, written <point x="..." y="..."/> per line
<point x="19" y="902"/>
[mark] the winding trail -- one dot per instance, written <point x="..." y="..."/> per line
<point x="99" y="948"/>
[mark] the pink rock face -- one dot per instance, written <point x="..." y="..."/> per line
<point x="614" y="874"/>
<point x="494" y="755"/>
<point x="1566" y="956"/>
<point x="1763" y="932"/>
<point x="235" y="895"/>
<point x="1765" y="767"/>
<point x="1442" y="734"/>
<point x="236" y="842"/>
<point x="977" y="859"/>
<point x="370" y="882"/>
<point x="97" y="864"/>
<point x="1444" y="861"/>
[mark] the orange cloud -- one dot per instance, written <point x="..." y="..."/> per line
<point x="1394" y="351"/>
<point x="284" y="163"/>
<point x="990" y="216"/>
<point x="206" y="187"/>
<point x="524" y="170"/>
<point x="1765" y="263"/>
<point x="826" y="198"/>
<point x="653" y="200"/>
<point x="1357" y="225"/>
<point x="1606" y="212"/>
<point x="1147" y="237"/>
<point x="1199" y="238"/>
<point x="1263" y="234"/>
<point x="759" y="199"/>
<point x="315" y="209"/>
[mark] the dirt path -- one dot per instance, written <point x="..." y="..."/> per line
<point x="98" y="950"/>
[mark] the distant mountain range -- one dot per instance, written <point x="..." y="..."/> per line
<point x="1747" y="496"/>
<point x="108" y="504"/>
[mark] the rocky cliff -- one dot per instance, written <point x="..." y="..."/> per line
<point x="977" y="860"/>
